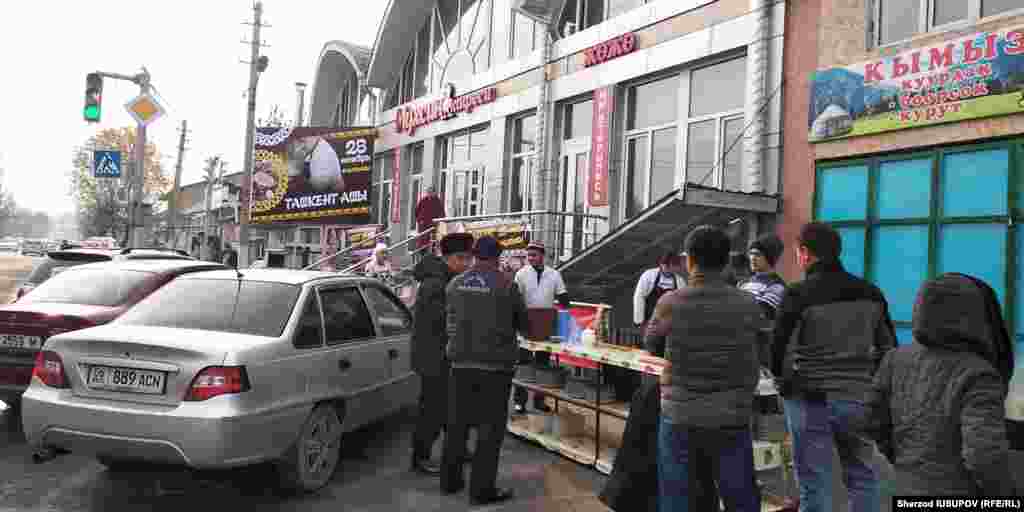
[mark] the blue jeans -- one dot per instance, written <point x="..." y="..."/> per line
<point x="818" y="425"/>
<point x="728" y="452"/>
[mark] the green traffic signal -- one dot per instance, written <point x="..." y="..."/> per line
<point x="92" y="113"/>
<point x="93" y="97"/>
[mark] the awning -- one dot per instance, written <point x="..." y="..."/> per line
<point x="618" y="259"/>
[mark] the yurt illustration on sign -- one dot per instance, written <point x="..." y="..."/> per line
<point x="834" y="121"/>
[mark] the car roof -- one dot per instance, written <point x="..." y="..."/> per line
<point x="278" y="275"/>
<point x="153" y="265"/>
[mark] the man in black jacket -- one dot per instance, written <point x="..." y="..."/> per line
<point x="841" y="329"/>
<point x="485" y="311"/>
<point x="429" y="339"/>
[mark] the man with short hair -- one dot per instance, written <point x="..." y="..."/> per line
<point x="654" y="283"/>
<point x="842" y="330"/>
<point x="765" y="283"/>
<point x="429" y="338"/>
<point x="541" y="286"/>
<point x="485" y="311"/>
<point x="709" y="331"/>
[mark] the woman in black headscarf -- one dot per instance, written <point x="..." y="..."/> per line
<point x="936" y="409"/>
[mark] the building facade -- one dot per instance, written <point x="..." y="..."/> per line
<point x="604" y="114"/>
<point x="905" y="130"/>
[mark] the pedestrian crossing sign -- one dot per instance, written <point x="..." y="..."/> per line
<point x="106" y="164"/>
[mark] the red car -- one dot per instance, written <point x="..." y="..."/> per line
<point x="79" y="297"/>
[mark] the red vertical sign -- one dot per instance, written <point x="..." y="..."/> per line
<point x="597" y="185"/>
<point x="396" y="190"/>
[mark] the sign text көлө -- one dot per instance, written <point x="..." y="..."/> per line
<point x="408" y="119"/>
<point x="608" y="50"/>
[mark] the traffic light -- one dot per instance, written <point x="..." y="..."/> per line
<point x="93" y="97"/>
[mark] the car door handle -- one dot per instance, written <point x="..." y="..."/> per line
<point x="393" y="353"/>
<point x="344" y="364"/>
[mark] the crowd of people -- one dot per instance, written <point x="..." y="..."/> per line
<point x="933" y="408"/>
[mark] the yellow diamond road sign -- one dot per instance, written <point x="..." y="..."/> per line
<point x="145" y="109"/>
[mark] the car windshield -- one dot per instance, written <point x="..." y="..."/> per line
<point x="95" y="287"/>
<point x="223" y="305"/>
<point x="51" y="266"/>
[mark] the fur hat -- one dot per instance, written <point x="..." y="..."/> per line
<point x="456" y="242"/>
<point x="770" y="246"/>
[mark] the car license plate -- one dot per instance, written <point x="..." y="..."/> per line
<point x="131" y="380"/>
<point x="21" y="341"/>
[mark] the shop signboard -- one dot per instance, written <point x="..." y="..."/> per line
<point x="977" y="76"/>
<point x="309" y="174"/>
<point x="611" y="49"/>
<point x="363" y="241"/>
<point x="409" y="119"/>
<point x="396" y="188"/>
<point x="597" y="185"/>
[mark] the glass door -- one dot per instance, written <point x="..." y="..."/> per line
<point x="465" y="196"/>
<point x="575" y="170"/>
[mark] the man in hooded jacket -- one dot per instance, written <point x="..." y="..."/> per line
<point x="936" y="406"/>
<point x="429" y="339"/>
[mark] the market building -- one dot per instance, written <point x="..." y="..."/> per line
<point x="587" y="136"/>
<point x="905" y="130"/>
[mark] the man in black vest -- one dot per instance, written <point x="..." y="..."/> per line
<point x="654" y="283"/>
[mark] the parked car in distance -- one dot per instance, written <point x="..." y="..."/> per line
<point x="80" y="297"/>
<point x="33" y="247"/>
<point x="58" y="261"/>
<point x="228" y="368"/>
<point x="9" y="245"/>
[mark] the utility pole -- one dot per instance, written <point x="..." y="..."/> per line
<point x="172" y="210"/>
<point x="257" y="64"/>
<point x="214" y="176"/>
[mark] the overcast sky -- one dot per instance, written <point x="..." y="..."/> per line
<point x="192" y="50"/>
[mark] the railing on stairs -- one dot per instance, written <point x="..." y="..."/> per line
<point x="563" y="233"/>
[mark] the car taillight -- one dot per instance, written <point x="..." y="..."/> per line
<point x="49" y="370"/>
<point x="217" y="380"/>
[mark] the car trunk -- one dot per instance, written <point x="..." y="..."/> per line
<point x="140" y="364"/>
<point x="25" y="327"/>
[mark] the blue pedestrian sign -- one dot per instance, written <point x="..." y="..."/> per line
<point x="106" y="164"/>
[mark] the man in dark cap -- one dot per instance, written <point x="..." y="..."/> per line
<point x="428" y="343"/>
<point x="485" y="311"/>
<point x="766" y="284"/>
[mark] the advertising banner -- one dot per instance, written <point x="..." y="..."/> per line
<point x="310" y="173"/>
<point x="597" y="185"/>
<point x="362" y="239"/>
<point x="396" y="189"/>
<point x="977" y="76"/>
<point x="511" y="233"/>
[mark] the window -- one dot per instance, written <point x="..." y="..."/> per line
<point x="524" y="143"/>
<point x="345" y="315"/>
<point x="380" y="188"/>
<point x="415" y="178"/>
<point x="392" y="317"/>
<point x="579" y="119"/>
<point x="527" y="36"/>
<point x="617" y="7"/>
<point x="310" y="331"/>
<point x="222" y="305"/>
<point x="651" y="135"/>
<point x="899" y="20"/>
<point x="580" y="15"/>
<point x="714" y="154"/>
<point x="461" y="42"/>
<point x="461" y="175"/>
<point x="93" y="287"/>
<point x="938" y="211"/>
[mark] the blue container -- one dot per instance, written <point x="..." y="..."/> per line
<point x="567" y="328"/>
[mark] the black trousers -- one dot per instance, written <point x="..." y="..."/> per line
<point x="433" y="413"/>
<point x="539" y="359"/>
<point x="480" y="398"/>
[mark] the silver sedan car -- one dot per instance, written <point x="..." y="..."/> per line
<point x="222" y="369"/>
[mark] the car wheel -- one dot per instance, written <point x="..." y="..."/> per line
<point x="310" y="463"/>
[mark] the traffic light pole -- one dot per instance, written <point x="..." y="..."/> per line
<point x="135" y="212"/>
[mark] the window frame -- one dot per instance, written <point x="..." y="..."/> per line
<point x="525" y="186"/>
<point x="312" y="297"/>
<point x="359" y="293"/>
<point x="925" y="20"/>
<point x="1013" y="219"/>
<point x="648" y="133"/>
<point x="415" y="178"/>
<point x="375" y="314"/>
<point x="445" y="171"/>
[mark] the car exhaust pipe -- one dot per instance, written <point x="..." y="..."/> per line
<point x="47" y="453"/>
